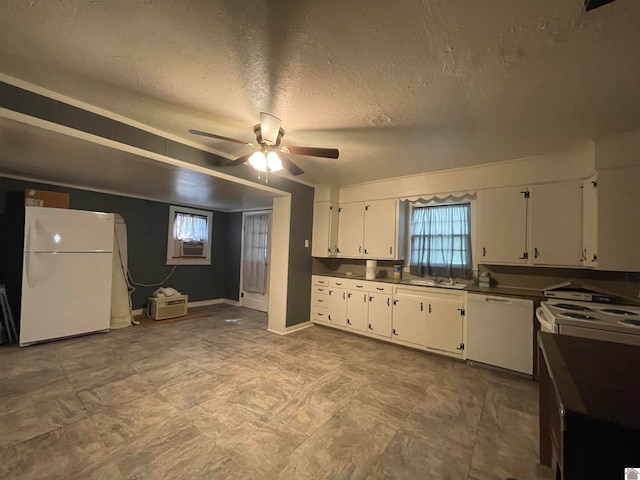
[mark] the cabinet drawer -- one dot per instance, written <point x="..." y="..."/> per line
<point x="320" y="290"/>
<point x="320" y="300"/>
<point x="368" y="286"/>
<point x="338" y="282"/>
<point x="319" y="280"/>
<point x="319" y="314"/>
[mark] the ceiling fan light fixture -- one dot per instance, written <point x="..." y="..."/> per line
<point x="273" y="162"/>
<point x="258" y="161"/>
<point x="269" y="128"/>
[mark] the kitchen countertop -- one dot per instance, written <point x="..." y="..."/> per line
<point x="505" y="291"/>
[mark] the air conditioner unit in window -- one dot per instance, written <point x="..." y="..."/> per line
<point x="192" y="249"/>
<point x="160" y="308"/>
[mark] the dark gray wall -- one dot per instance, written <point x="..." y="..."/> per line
<point x="147" y="224"/>
<point x="299" y="284"/>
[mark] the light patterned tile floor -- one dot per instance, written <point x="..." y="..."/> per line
<point x="213" y="398"/>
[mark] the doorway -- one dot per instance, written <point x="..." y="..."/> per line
<point x="256" y="256"/>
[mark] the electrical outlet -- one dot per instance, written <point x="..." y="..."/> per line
<point x="306" y="244"/>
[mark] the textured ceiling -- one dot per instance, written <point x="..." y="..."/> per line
<point x="400" y="87"/>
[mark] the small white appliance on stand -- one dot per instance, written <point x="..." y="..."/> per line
<point x="67" y="270"/>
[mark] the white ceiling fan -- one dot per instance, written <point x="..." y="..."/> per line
<point x="271" y="156"/>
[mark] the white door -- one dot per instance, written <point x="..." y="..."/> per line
<point x="256" y="253"/>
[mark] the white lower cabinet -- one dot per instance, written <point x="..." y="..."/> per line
<point x="337" y="310"/>
<point x="445" y="325"/>
<point x="430" y="319"/>
<point x="409" y="322"/>
<point x="358" y="311"/>
<point x="380" y="315"/>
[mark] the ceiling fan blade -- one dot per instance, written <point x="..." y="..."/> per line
<point x="312" y="151"/>
<point x="239" y="160"/>
<point x="290" y="167"/>
<point x="270" y="127"/>
<point x="219" y="137"/>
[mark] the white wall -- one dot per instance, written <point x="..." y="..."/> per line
<point x="575" y="163"/>
<point x="618" y="151"/>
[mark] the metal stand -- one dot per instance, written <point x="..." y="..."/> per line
<point x="9" y="326"/>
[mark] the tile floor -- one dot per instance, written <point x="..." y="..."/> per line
<point x="220" y="397"/>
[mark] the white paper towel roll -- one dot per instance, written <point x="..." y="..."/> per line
<point x="372" y="266"/>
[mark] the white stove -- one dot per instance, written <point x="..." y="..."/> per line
<point x="600" y="321"/>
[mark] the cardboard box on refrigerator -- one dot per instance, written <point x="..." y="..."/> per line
<point x="44" y="198"/>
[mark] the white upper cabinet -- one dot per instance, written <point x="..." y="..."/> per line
<point x="590" y="222"/>
<point x="324" y="242"/>
<point x="372" y="229"/>
<point x="351" y="230"/>
<point x="618" y="225"/>
<point x="380" y="229"/>
<point x="502" y="225"/>
<point x="556" y="224"/>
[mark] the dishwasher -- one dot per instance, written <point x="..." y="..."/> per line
<point x="500" y="332"/>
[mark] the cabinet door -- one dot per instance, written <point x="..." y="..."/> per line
<point x="556" y="224"/>
<point x="325" y="229"/>
<point x="357" y="310"/>
<point x="618" y="226"/>
<point x="350" y="229"/>
<point x="380" y="315"/>
<point x="502" y="225"/>
<point x="409" y="320"/>
<point x="380" y="229"/>
<point x="338" y="306"/>
<point x="590" y="222"/>
<point x="445" y="326"/>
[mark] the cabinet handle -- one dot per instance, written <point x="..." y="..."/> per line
<point x="429" y="308"/>
<point x="395" y="302"/>
<point x="370" y="327"/>
<point x="365" y="298"/>
<point x="421" y="307"/>
<point x="394" y="332"/>
<point x="390" y="250"/>
<point x="348" y="322"/>
<point x="330" y="292"/>
<point x="535" y="253"/>
<point x="388" y="304"/>
<point x="344" y="295"/>
<point x="370" y="299"/>
<point x="329" y="317"/>
<point x="484" y="252"/>
<point x="338" y="283"/>
<point x="360" y="249"/>
<point x="359" y="286"/>
<point x="321" y="289"/>
<point x="320" y="300"/>
<point x="349" y="295"/>
<point x="380" y="288"/>
<point x="321" y="314"/>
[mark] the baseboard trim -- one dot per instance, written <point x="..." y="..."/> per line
<point x="235" y="303"/>
<point x="201" y="303"/>
<point x="294" y="328"/>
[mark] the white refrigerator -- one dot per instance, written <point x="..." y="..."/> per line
<point x="66" y="275"/>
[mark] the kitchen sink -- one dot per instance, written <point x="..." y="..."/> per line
<point x="431" y="283"/>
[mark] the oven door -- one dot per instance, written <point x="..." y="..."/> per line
<point x="546" y="325"/>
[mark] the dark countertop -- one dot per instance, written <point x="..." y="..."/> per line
<point x="500" y="291"/>
<point x="595" y="378"/>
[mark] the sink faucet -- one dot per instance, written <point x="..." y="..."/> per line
<point x="435" y="278"/>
